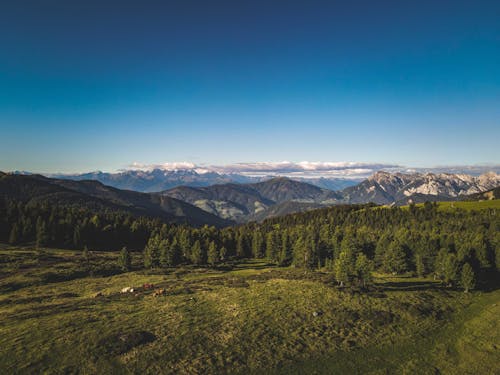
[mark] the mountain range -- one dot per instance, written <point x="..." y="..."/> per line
<point x="226" y="203"/>
<point x="279" y="196"/>
<point x="240" y="202"/>
<point x="95" y="196"/>
<point x="401" y="189"/>
<point x="157" y="179"/>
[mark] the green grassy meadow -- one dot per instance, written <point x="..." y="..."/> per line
<point x="250" y="317"/>
<point x="466" y="205"/>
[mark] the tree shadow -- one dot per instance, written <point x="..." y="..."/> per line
<point x="410" y="286"/>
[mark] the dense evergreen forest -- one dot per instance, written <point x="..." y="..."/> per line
<point x="351" y="241"/>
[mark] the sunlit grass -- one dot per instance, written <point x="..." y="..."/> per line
<point x="251" y="317"/>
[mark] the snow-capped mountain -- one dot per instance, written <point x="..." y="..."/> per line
<point x="399" y="188"/>
<point x="158" y="179"/>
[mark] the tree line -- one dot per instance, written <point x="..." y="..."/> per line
<point x="351" y="241"/>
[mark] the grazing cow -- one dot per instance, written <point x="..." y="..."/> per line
<point x="159" y="292"/>
<point x="148" y="286"/>
<point x="128" y="289"/>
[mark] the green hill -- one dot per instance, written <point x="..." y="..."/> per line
<point x="250" y="318"/>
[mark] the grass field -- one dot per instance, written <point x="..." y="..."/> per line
<point x="473" y="205"/>
<point x="477" y="205"/>
<point x="246" y="318"/>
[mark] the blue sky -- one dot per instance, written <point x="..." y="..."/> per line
<point x="88" y="85"/>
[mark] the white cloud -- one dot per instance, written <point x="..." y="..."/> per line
<point x="303" y="169"/>
<point x="165" y="166"/>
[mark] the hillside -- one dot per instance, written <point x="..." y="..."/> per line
<point x="401" y="189"/>
<point x="492" y="194"/>
<point x="98" y="197"/>
<point x="252" y="317"/>
<point x="156" y="180"/>
<point x="257" y="201"/>
<point x="243" y="202"/>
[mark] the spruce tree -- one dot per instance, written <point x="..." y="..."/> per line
<point x="342" y="266"/>
<point x="213" y="254"/>
<point x="467" y="278"/>
<point x="363" y="269"/>
<point x="240" y="246"/>
<point x="152" y="251"/>
<point x="197" y="253"/>
<point x="440" y="263"/>
<point x="419" y="265"/>
<point x="285" y="251"/>
<point x="395" y="258"/>
<point x="450" y="269"/>
<point x="257" y="243"/>
<point x="271" y="246"/>
<point x="223" y="253"/>
<point x="41" y="233"/>
<point x="14" y="234"/>
<point x="298" y="252"/>
<point x="165" y="256"/>
<point x="125" y="260"/>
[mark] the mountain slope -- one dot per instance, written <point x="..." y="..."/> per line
<point x="157" y="180"/>
<point x="242" y="202"/>
<point x="96" y="196"/>
<point x="398" y="188"/>
<point x="492" y="194"/>
<point x="283" y="189"/>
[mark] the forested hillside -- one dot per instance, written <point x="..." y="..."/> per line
<point x="350" y="240"/>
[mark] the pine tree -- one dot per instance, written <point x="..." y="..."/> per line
<point x="197" y="253"/>
<point x="342" y="265"/>
<point x="174" y="254"/>
<point x="77" y="237"/>
<point x="41" y="233"/>
<point x="468" y="279"/>
<point x="285" y="251"/>
<point x="395" y="258"/>
<point x="271" y="246"/>
<point x="419" y="265"/>
<point x="257" y="243"/>
<point x="310" y="253"/>
<point x="213" y="254"/>
<point x="14" y="234"/>
<point x="481" y="250"/>
<point x="440" y="263"/>
<point x="125" y="260"/>
<point x="152" y="251"/>
<point x="165" y="256"/>
<point x="223" y="253"/>
<point x="240" y="246"/>
<point x="380" y="250"/>
<point x="363" y="269"/>
<point x="450" y="269"/>
<point x="298" y="252"/>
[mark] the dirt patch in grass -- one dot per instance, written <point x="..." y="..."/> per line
<point x="121" y="343"/>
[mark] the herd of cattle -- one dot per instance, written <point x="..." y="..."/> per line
<point x="157" y="292"/>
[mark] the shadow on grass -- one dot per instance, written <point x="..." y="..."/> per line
<point x="410" y="286"/>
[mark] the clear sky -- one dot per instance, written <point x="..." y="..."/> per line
<point x="88" y="85"/>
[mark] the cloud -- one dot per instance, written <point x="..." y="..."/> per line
<point x="304" y="169"/>
<point x="165" y="166"/>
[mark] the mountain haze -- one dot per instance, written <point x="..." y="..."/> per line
<point x="96" y="196"/>
<point x="157" y="179"/>
<point x="280" y="196"/>
<point x="241" y="201"/>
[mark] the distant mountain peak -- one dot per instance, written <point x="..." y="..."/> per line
<point x="386" y="188"/>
